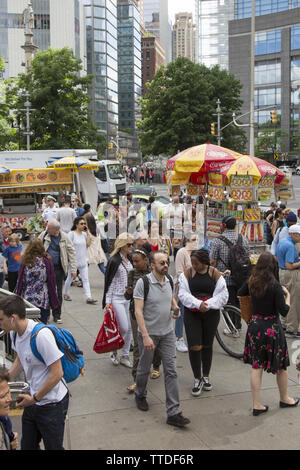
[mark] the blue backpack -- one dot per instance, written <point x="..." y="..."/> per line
<point x="72" y="360"/>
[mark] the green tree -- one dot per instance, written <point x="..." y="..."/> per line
<point x="59" y="98"/>
<point x="180" y="104"/>
<point x="7" y="132"/>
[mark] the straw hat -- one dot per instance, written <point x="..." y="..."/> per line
<point x="121" y="241"/>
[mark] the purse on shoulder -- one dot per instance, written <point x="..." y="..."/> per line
<point x="246" y="308"/>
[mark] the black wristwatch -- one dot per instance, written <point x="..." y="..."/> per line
<point x="35" y="399"/>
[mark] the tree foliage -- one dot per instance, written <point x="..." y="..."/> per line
<point x="7" y="131"/>
<point x="59" y="98"/>
<point x="180" y="104"/>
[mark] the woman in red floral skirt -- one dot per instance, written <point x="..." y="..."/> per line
<point x="266" y="347"/>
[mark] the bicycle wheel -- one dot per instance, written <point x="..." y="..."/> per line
<point x="231" y="332"/>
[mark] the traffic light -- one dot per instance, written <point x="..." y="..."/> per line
<point x="110" y="146"/>
<point x="212" y="128"/>
<point x="273" y="114"/>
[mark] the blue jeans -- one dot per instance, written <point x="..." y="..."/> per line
<point x="44" y="422"/>
<point x="2" y="278"/>
<point x="45" y="314"/>
<point x="179" y="322"/>
<point x="102" y="268"/>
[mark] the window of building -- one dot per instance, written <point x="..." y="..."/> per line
<point x="295" y="37"/>
<point x="267" y="97"/>
<point x="267" y="73"/>
<point x="268" y="42"/>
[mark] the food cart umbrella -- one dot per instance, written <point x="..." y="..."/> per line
<point x="3" y="169"/>
<point x="193" y="164"/>
<point x="193" y="159"/>
<point x="252" y="166"/>
<point x="74" y="162"/>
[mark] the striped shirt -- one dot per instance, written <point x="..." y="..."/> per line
<point x="119" y="282"/>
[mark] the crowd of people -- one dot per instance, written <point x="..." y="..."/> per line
<point x="155" y="312"/>
<point x="143" y="174"/>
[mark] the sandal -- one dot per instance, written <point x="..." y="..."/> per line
<point x="155" y="374"/>
<point x="68" y="298"/>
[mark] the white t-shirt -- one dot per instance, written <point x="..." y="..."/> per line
<point x="50" y="213"/>
<point x="66" y="217"/>
<point x="36" y="372"/>
<point x="79" y="242"/>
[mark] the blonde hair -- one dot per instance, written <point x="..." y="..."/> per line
<point x="121" y="241"/>
<point x="14" y="237"/>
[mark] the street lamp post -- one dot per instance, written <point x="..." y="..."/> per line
<point x="28" y="110"/>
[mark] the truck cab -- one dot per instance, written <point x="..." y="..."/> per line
<point x="110" y="179"/>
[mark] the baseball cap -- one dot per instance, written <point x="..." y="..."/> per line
<point x="229" y="221"/>
<point x="294" y="229"/>
<point x="291" y="217"/>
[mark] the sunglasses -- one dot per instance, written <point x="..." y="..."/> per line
<point x="162" y="263"/>
<point x="81" y="223"/>
<point x="129" y="244"/>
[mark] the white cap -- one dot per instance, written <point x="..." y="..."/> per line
<point x="294" y="228"/>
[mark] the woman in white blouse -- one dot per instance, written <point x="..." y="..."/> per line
<point x="202" y="291"/>
<point x="114" y="289"/>
<point x="81" y="239"/>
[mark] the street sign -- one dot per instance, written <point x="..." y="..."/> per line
<point x="275" y="156"/>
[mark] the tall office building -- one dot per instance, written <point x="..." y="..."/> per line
<point x="183" y="43"/>
<point x="211" y="19"/>
<point x="140" y="5"/>
<point x="57" y="24"/>
<point x="157" y="23"/>
<point x="102" y="62"/>
<point x="243" y="8"/>
<point x="277" y="66"/>
<point x="129" y="64"/>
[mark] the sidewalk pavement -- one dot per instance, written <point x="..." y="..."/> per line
<point x="102" y="415"/>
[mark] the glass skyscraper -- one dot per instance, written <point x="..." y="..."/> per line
<point x="211" y="19"/>
<point x="102" y="62"/>
<point x="129" y="63"/>
<point x="156" y="22"/>
<point x="243" y="8"/>
<point x="277" y="68"/>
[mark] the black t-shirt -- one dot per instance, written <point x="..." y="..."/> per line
<point x="273" y="303"/>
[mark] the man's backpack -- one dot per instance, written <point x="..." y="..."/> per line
<point x="72" y="360"/>
<point x="239" y="261"/>
<point x="147" y="285"/>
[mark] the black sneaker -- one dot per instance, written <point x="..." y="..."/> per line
<point x="141" y="403"/>
<point x="178" y="420"/>
<point x="198" y="385"/>
<point x="206" y="384"/>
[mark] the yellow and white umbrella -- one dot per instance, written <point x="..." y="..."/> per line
<point x="74" y="163"/>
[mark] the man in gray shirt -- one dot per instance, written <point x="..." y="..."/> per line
<point x="66" y="216"/>
<point x="156" y="330"/>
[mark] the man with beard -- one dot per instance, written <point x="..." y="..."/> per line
<point x="153" y="300"/>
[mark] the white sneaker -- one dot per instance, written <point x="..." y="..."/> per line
<point x="114" y="358"/>
<point x="235" y="334"/>
<point x="197" y="389"/>
<point x="126" y="362"/>
<point x="181" y="346"/>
